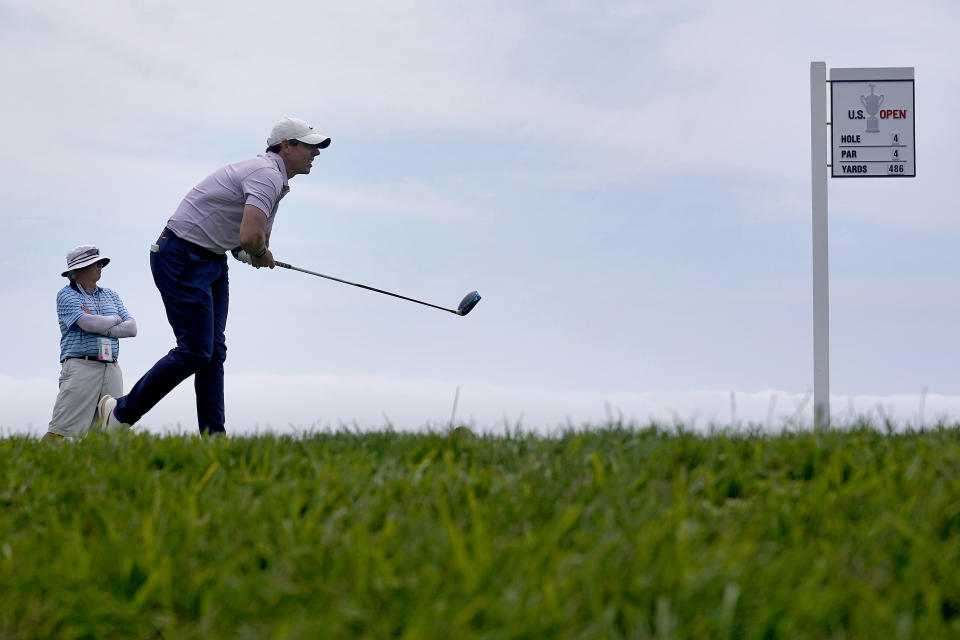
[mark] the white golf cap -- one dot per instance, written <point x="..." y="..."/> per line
<point x="83" y="256"/>
<point x="296" y="129"/>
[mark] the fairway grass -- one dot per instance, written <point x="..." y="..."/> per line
<point x="605" y="533"/>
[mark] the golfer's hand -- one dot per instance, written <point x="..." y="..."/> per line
<point x="266" y="260"/>
<point x="241" y="255"/>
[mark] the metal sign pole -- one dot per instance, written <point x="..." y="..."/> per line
<point x="821" y="278"/>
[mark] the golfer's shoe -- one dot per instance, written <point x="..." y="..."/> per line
<point x="108" y="420"/>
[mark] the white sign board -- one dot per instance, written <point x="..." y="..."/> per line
<point x="872" y="123"/>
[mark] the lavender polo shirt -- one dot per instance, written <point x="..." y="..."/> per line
<point x="210" y="214"/>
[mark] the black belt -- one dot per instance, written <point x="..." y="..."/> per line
<point x="91" y="358"/>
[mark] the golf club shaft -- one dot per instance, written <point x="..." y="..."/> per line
<point x="362" y="286"/>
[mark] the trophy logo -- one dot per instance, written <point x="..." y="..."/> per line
<point x="872" y="104"/>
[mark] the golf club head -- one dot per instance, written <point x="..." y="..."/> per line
<point x="468" y="303"/>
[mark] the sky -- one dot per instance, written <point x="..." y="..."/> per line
<point x="627" y="185"/>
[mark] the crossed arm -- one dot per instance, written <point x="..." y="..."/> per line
<point x="111" y="326"/>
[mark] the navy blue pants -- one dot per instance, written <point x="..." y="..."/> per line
<point x="194" y="287"/>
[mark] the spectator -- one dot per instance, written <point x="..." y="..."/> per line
<point x="92" y="319"/>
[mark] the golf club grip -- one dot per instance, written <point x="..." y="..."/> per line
<point x="286" y="265"/>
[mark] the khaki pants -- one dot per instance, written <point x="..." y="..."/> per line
<point x="82" y="384"/>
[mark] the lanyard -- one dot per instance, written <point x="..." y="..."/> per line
<point x="90" y="300"/>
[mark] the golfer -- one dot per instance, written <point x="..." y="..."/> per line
<point x="233" y="209"/>
<point x="91" y="321"/>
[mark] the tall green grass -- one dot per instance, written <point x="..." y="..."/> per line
<point x="607" y="533"/>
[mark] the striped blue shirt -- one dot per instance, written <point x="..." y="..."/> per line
<point x="74" y="341"/>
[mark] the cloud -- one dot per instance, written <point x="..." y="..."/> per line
<point x="626" y="182"/>
<point x="636" y="88"/>
<point x="404" y="198"/>
<point x="291" y="403"/>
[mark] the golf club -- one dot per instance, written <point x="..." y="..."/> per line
<point x="466" y="305"/>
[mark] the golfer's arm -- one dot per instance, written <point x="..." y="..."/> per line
<point x="253" y="227"/>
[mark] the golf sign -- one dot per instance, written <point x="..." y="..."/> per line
<point x="872" y="129"/>
<point x="872" y="123"/>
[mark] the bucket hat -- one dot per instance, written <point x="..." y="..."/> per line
<point x="83" y="256"/>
